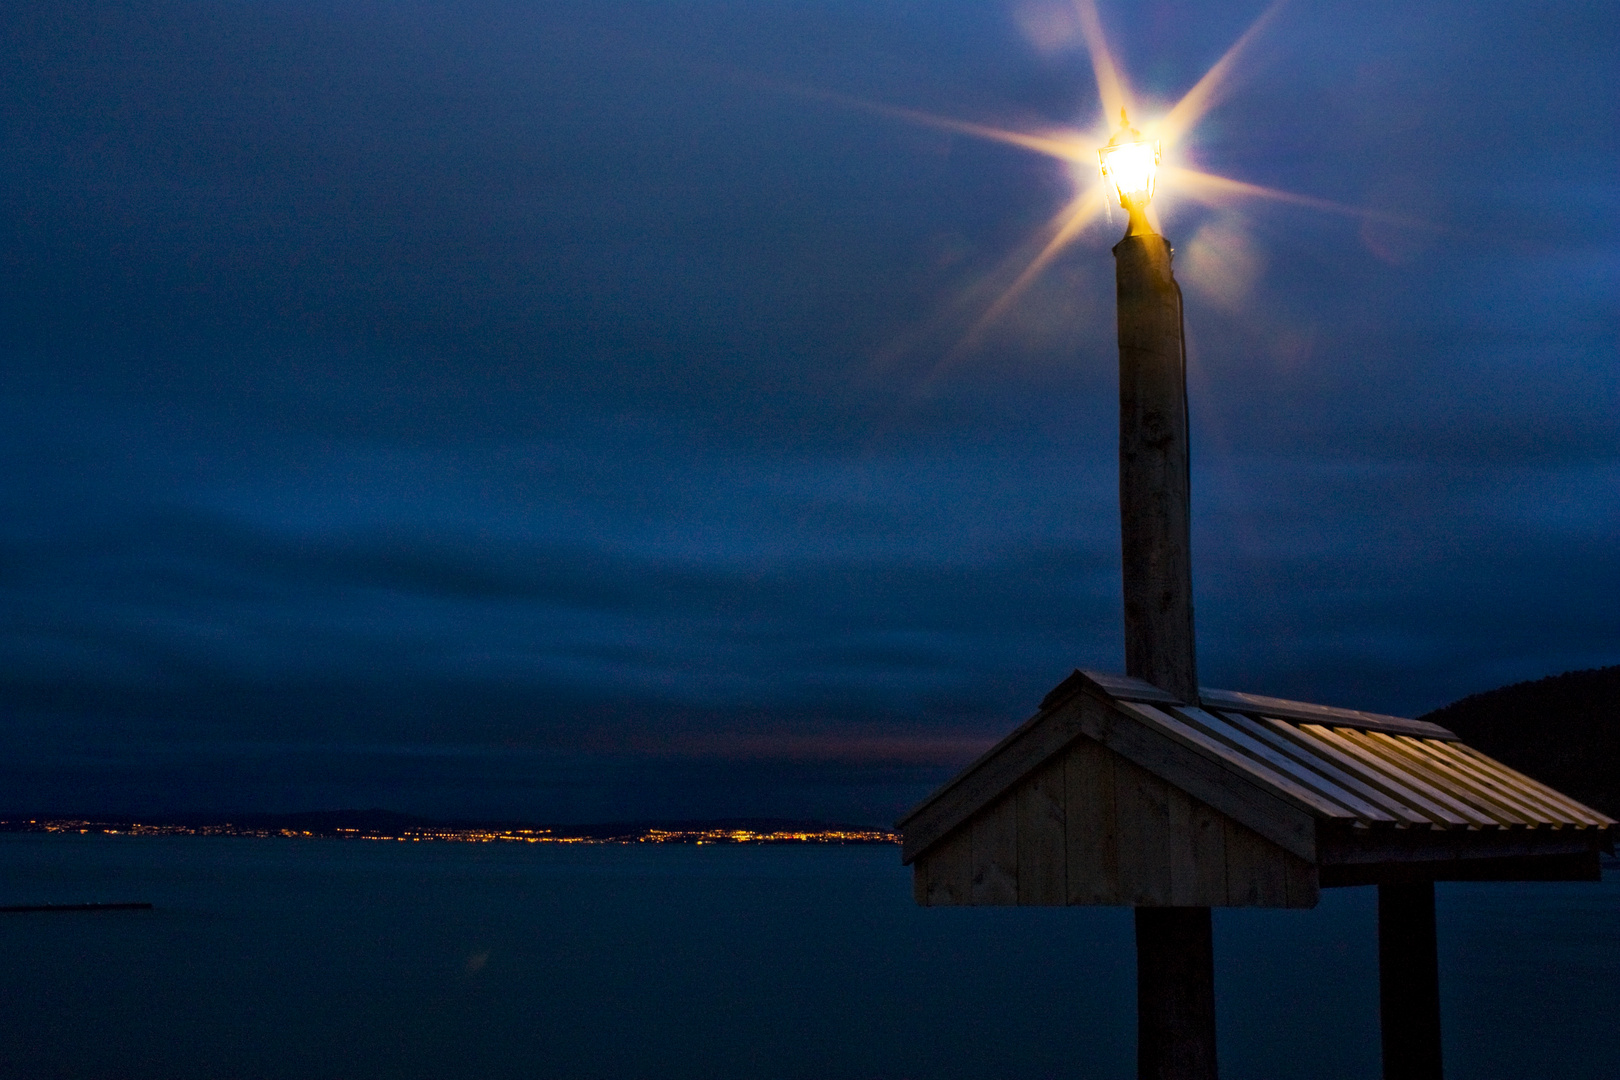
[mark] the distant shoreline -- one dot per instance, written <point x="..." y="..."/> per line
<point x="384" y="826"/>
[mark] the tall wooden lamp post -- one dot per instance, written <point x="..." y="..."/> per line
<point x="1175" y="974"/>
<point x="1145" y="790"/>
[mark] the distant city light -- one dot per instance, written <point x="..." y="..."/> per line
<point x="464" y="836"/>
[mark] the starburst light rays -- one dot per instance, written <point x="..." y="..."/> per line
<point x="991" y="294"/>
<point x="1114" y="95"/>
<point x="1064" y="149"/>
<point x="1079" y="213"/>
<point x="1111" y="88"/>
<point x="1211" y="189"/>
<point x="1186" y="113"/>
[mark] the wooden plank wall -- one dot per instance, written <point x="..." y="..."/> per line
<point x="1090" y="827"/>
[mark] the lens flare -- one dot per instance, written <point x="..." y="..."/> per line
<point x="1211" y="189"/>
<point x="1131" y="163"/>
<point x="1064" y="148"/>
<point x="1130" y="167"/>
<point x="1080" y="213"/>
<point x="1206" y="92"/>
<point x="1111" y="88"/>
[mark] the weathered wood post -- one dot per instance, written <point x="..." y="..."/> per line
<point x="1408" y="982"/>
<point x="1175" y="966"/>
<point x="1154" y="488"/>
<point x="1175" y="993"/>
<point x="1144" y="790"/>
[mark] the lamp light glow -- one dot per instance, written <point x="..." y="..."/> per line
<point x="1130" y="164"/>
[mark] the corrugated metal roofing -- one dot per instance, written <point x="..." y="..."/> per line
<point x="1360" y="768"/>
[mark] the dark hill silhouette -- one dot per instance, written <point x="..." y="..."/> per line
<point x="1563" y="730"/>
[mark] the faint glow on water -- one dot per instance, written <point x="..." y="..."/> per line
<point x="306" y="958"/>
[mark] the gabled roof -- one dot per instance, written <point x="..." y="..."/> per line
<point x="1276" y="766"/>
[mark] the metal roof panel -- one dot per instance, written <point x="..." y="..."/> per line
<point x="1393" y="808"/>
<point x="1577" y="811"/>
<point x="1257" y="771"/>
<point x="1286" y="764"/>
<point x="1232" y="701"/>
<point x="1310" y="761"/>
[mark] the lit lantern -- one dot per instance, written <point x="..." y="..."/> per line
<point x="1129" y="163"/>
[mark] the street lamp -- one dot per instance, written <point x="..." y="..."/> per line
<point x="1175" y="966"/>
<point x="1130" y="165"/>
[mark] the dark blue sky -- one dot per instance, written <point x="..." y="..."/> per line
<point x="541" y="410"/>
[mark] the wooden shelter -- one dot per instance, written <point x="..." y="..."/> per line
<point x="1148" y="791"/>
<point x="1116" y="793"/>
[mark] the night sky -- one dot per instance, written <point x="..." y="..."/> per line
<point x="562" y="411"/>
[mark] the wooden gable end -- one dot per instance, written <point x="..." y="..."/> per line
<point x="1090" y="827"/>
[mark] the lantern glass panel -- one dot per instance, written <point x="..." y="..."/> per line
<point x="1130" y="168"/>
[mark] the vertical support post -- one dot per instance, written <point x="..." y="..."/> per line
<point x="1175" y="994"/>
<point x="1155" y="511"/>
<point x="1175" y="965"/>
<point x="1408" y="982"/>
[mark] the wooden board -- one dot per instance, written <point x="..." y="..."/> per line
<point x="1538" y="809"/>
<point x="1255" y="877"/>
<point x="1259" y="773"/>
<point x="1383" y="781"/>
<point x="1294" y="747"/>
<point x="1197" y="852"/>
<point x="1036" y="741"/>
<point x="1578" y="866"/>
<point x="1092" y="828"/>
<point x="1366" y="846"/>
<point x="1235" y="737"/>
<point x="1376" y="769"/>
<point x="945" y="878"/>
<point x="995" y="853"/>
<point x="1232" y="701"/>
<point x="1142" y="818"/>
<point x="1242" y="787"/>
<point x="1504" y="807"/>
<point x="1122" y="687"/>
<point x="1303" y="881"/>
<point x="1573" y="810"/>
<point x="1099" y="800"/>
<point x="1042" y="858"/>
<point x="1091" y="840"/>
<point x="1202" y="775"/>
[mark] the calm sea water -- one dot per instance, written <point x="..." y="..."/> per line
<point x="344" y="959"/>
